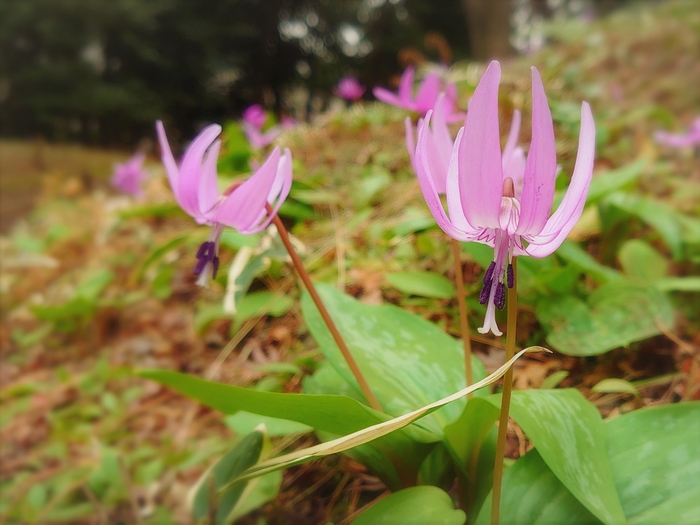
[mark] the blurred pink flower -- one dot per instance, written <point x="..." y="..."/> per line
<point x="195" y="187"/>
<point x="691" y="138"/>
<point x="288" y="123"/>
<point x="483" y="202"/>
<point x="257" y="138"/>
<point x="426" y="95"/>
<point x="129" y="177"/>
<point x="255" y="116"/>
<point x="349" y="88"/>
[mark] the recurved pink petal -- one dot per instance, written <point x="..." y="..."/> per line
<point x="569" y="211"/>
<point x="208" y="182"/>
<point x="427" y="93"/>
<point x="388" y="97"/>
<point x="427" y="184"/>
<point x="453" y="190"/>
<point x="512" y="141"/>
<point x="406" y="85"/>
<point x="451" y="113"/>
<point x="441" y="133"/>
<point x="541" y="166"/>
<point x="171" y="168"/>
<point x="191" y="169"/>
<point x="244" y="207"/>
<point x="280" y="190"/>
<point x="480" y="170"/>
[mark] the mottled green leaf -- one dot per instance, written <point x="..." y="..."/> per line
<point x="617" y="314"/>
<point x="425" y="284"/>
<point x="416" y="505"/>
<point x="408" y="361"/>
<point x="639" y="259"/>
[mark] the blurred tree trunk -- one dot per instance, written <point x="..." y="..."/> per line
<point x="488" y="22"/>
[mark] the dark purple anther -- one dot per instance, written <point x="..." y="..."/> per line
<point x="489" y="274"/>
<point x="215" y="263"/>
<point x="205" y="254"/>
<point x="500" y="296"/>
<point x="484" y="295"/>
<point x="202" y="252"/>
<point x="511" y="276"/>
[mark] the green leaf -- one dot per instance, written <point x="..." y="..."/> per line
<point x="415" y="505"/>
<point x="91" y="288"/>
<point x="244" y="422"/>
<point x="678" y="284"/>
<point x="605" y="183"/>
<point x="157" y="255"/>
<point x="425" y="284"/>
<point x="336" y="414"/>
<point x="369" y="434"/>
<point x="258" y="492"/>
<point x="262" y="303"/>
<point x="615" y="386"/>
<point x="639" y="259"/>
<point x="547" y="501"/>
<point x="655" y="455"/>
<point x="408" y="361"/>
<point x="656" y="214"/>
<point x="570" y="436"/>
<point x="553" y="380"/>
<point x="655" y="458"/>
<point x="617" y="314"/>
<point x="573" y="253"/>
<point x="214" y="488"/>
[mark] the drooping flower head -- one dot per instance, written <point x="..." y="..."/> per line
<point x="245" y="207"/>
<point x="349" y="88"/>
<point x="129" y="176"/>
<point x="426" y="95"/>
<point x="259" y="139"/>
<point x="691" y="138"/>
<point x="255" y="116"/>
<point x="484" y="201"/>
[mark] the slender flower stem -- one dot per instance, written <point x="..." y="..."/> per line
<point x="505" y="398"/>
<point x="304" y="276"/>
<point x="464" y="325"/>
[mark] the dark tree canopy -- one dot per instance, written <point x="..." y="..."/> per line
<point x="101" y="71"/>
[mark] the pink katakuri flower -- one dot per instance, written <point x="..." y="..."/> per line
<point x="257" y="138"/>
<point x="255" y="116"/>
<point x="129" y="176"/>
<point x="483" y="202"/>
<point x="441" y="144"/>
<point x="691" y="138"/>
<point x="426" y="96"/>
<point x="194" y="184"/>
<point x="349" y="88"/>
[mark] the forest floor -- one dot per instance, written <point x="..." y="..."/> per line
<point x="95" y="285"/>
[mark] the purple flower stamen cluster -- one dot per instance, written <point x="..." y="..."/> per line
<point x="207" y="255"/>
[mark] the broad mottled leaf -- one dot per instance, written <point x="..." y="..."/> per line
<point x="413" y="506"/>
<point x="655" y="454"/>
<point x="639" y="259"/>
<point x="425" y="284"/>
<point x="408" y="361"/>
<point x="655" y="458"/>
<point x="374" y="432"/>
<point x="616" y="314"/>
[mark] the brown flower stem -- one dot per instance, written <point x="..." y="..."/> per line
<point x="505" y="398"/>
<point x="304" y="276"/>
<point x="464" y="325"/>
